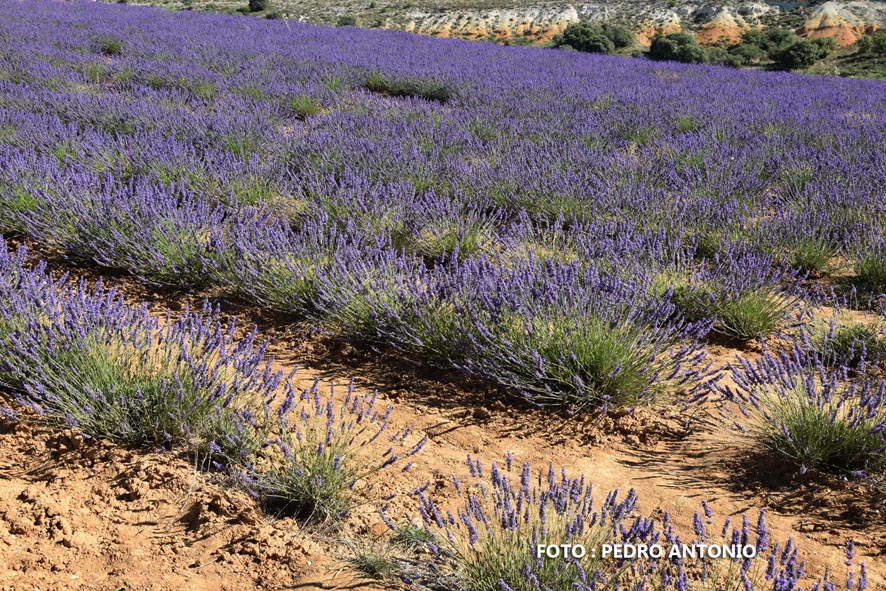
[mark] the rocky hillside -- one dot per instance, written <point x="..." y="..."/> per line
<point x="539" y="21"/>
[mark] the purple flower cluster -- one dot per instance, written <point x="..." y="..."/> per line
<point x="327" y="449"/>
<point x="492" y="540"/>
<point x="84" y="357"/>
<point x="818" y="415"/>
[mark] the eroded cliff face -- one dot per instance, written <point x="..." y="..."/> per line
<point x="710" y="22"/>
<point x="844" y="21"/>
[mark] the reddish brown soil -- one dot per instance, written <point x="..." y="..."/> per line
<point x="90" y="515"/>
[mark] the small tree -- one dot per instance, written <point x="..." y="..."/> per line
<point x="723" y="57"/>
<point x="825" y="46"/>
<point x="677" y="47"/>
<point x="801" y="54"/>
<point x="878" y="42"/>
<point x="620" y="35"/>
<point x="865" y="44"/>
<point x="258" y="5"/>
<point x="747" y="53"/>
<point x="776" y="39"/>
<point x="587" y="37"/>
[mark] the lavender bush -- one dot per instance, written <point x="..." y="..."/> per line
<point x="745" y="294"/>
<point x="327" y="452"/>
<point x="490" y="542"/>
<point x="818" y="417"/>
<point x="849" y="343"/>
<point x="85" y="358"/>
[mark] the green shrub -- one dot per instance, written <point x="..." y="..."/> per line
<point x="15" y="201"/>
<point x="878" y="43"/>
<point x="747" y="53"/>
<point x="328" y="454"/>
<point x="822" y="434"/>
<point x="110" y="46"/>
<point x="769" y="40"/>
<point x="592" y="361"/>
<point x="620" y="35"/>
<point x="441" y="239"/>
<point x="303" y="107"/>
<point x="849" y="344"/>
<point x="375" y="560"/>
<point x="724" y="57"/>
<point x="411" y="86"/>
<point x="413" y="537"/>
<point x="870" y="270"/>
<point x="811" y="254"/>
<point x="588" y="38"/>
<point x="124" y="377"/>
<point x="743" y="316"/>
<point x="346" y="21"/>
<point x="258" y="5"/>
<point x="864" y="45"/>
<point x="826" y="45"/>
<point x="750" y="315"/>
<point x="800" y="54"/>
<point x="677" y="47"/>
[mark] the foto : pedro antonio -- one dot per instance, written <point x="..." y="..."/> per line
<point x="645" y="551"/>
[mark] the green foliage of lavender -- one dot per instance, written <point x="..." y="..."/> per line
<point x="851" y="344"/>
<point x="745" y="305"/>
<point x="870" y="266"/>
<point x="326" y="454"/>
<point x="83" y="357"/>
<point x="818" y="417"/>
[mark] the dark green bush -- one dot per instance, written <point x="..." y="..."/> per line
<point x="850" y="344"/>
<point x="754" y="37"/>
<point x="878" y="41"/>
<point x="677" y="47"/>
<point x="428" y="89"/>
<point x="870" y="271"/>
<point x="825" y="45"/>
<point x="822" y="435"/>
<point x="346" y="21"/>
<point x="303" y="107"/>
<point x="746" y="53"/>
<point x="258" y="5"/>
<point x="620" y="35"/>
<point x="770" y="40"/>
<point x="587" y="37"/>
<point x="110" y="46"/>
<point x="723" y="57"/>
<point x="801" y="54"/>
<point x="811" y="254"/>
<point x="865" y="44"/>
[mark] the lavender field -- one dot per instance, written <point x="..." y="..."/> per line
<point x="589" y="233"/>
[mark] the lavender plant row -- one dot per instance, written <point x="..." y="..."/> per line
<point x="500" y="535"/>
<point x="85" y="358"/>
<point x="568" y="225"/>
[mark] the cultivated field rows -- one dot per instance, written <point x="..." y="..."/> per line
<point x="663" y="277"/>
